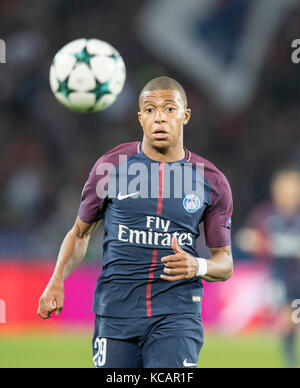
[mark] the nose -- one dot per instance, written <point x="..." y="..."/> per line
<point x="160" y="116"/>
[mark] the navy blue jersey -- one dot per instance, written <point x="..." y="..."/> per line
<point x="144" y="203"/>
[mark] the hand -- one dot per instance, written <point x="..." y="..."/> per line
<point x="51" y="300"/>
<point x="181" y="265"/>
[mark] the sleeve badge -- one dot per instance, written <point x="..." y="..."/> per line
<point x="228" y="223"/>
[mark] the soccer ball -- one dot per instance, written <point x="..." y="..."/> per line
<point x="87" y="75"/>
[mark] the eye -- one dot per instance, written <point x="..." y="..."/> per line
<point x="149" y="110"/>
<point x="171" y="109"/>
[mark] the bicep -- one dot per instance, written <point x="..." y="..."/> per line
<point x="93" y="197"/>
<point x="83" y="229"/>
<point x="217" y="218"/>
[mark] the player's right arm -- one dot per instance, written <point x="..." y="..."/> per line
<point x="74" y="246"/>
<point x="71" y="254"/>
<point x="73" y="249"/>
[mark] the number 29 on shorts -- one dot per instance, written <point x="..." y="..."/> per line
<point x="100" y="356"/>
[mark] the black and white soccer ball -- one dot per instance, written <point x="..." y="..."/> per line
<point x="87" y="75"/>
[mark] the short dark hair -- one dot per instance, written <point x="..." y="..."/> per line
<point x="164" y="83"/>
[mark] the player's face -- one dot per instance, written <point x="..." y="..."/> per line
<point x="162" y="116"/>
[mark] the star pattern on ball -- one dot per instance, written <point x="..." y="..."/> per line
<point x="63" y="88"/>
<point x="114" y="56"/>
<point x="82" y="73"/>
<point x="83" y="56"/>
<point x="100" y="90"/>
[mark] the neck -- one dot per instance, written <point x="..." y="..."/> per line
<point x="170" y="154"/>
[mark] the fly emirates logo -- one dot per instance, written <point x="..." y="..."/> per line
<point x="156" y="234"/>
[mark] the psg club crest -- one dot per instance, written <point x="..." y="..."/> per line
<point x="191" y="203"/>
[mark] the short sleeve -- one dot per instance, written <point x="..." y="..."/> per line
<point x="217" y="218"/>
<point x="92" y="204"/>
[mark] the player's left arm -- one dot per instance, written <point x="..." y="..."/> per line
<point x="220" y="264"/>
<point x="182" y="265"/>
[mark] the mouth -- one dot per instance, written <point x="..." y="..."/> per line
<point x="160" y="134"/>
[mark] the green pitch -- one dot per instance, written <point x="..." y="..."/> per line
<point x="74" y="350"/>
<point x="243" y="351"/>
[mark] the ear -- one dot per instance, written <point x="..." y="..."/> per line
<point x="140" y="118"/>
<point x="187" y="116"/>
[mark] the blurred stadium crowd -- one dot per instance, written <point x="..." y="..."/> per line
<point x="46" y="151"/>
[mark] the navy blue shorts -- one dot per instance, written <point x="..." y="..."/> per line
<point x="165" y="341"/>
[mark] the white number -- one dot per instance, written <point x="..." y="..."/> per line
<point x="100" y="357"/>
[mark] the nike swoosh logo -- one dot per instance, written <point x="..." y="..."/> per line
<point x="121" y="197"/>
<point x="188" y="364"/>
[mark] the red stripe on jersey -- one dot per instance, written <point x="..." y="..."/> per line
<point x="150" y="280"/>
<point x="161" y="188"/>
<point x="154" y="251"/>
